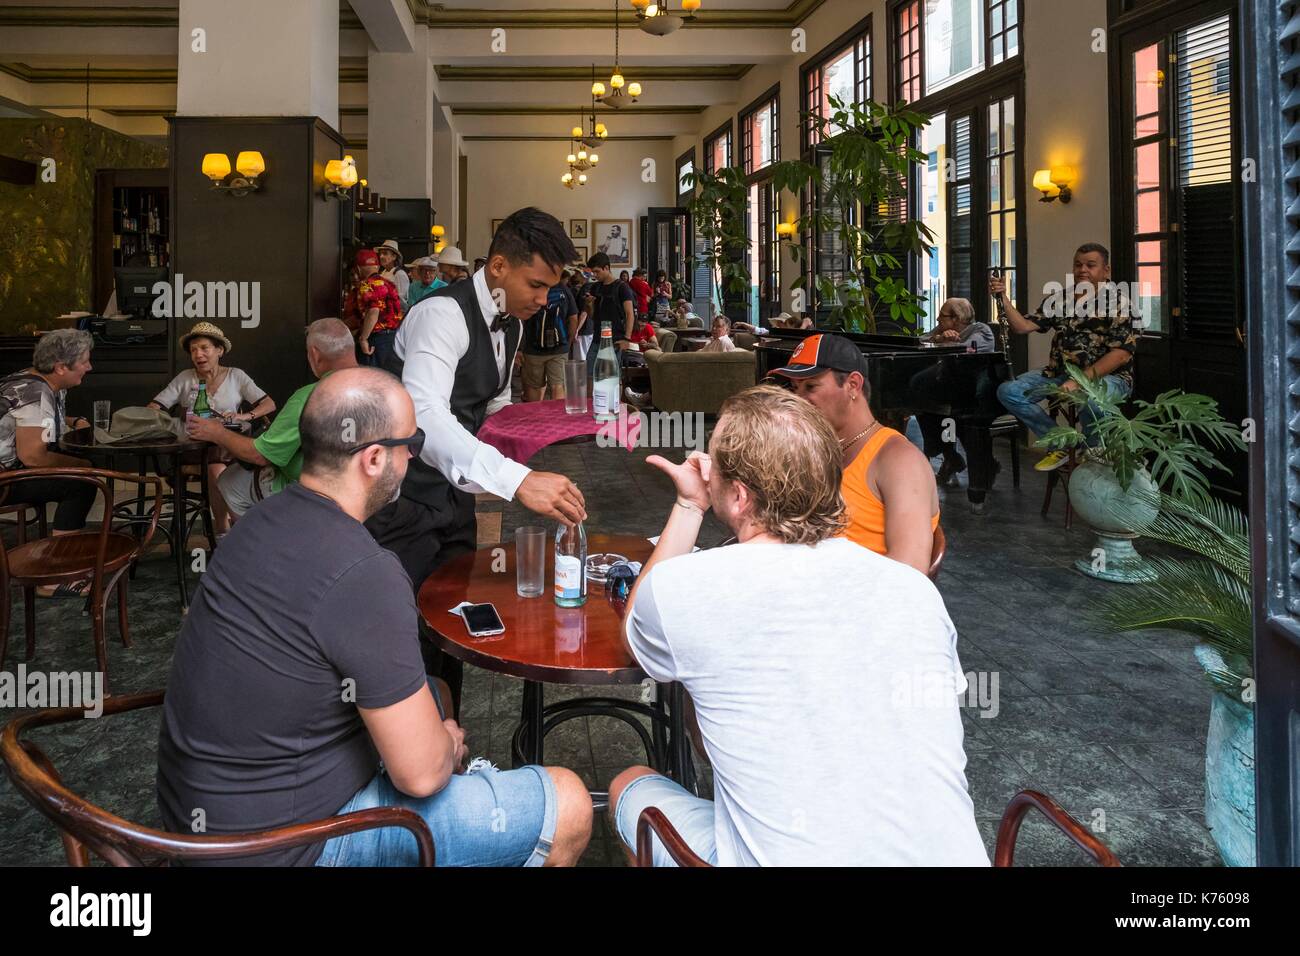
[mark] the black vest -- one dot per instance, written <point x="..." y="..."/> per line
<point x="477" y="382"/>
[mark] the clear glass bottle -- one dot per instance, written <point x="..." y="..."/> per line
<point x="605" y="390"/>
<point x="571" y="565"/>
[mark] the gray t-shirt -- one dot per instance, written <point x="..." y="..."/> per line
<point x="300" y="619"/>
<point x="815" y="698"/>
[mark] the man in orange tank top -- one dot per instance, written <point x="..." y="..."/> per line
<point x="888" y="485"/>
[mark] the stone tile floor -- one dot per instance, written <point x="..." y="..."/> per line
<point x="1112" y="726"/>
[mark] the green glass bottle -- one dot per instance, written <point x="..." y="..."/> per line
<point x="201" y="407"/>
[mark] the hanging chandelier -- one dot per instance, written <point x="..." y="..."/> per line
<point x="596" y="132"/>
<point x="657" y="20"/>
<point x="620" y="92"/>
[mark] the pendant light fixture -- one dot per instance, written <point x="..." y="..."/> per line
<point x="657" y="20"/>
<point x="620" y="92"/>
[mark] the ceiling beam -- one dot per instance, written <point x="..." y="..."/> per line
<point x="389" y="23"/>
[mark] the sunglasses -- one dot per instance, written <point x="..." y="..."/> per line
<point x="414" y="444"/>
<point x="620" y="578"/>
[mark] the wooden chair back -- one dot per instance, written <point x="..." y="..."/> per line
<point x="87" y="828"/>
<point x="653" y="821"/>
<point x="103" y="482"/>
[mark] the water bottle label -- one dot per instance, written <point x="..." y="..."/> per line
<point x="604" y="399"/>
<point x="568" y="576"/>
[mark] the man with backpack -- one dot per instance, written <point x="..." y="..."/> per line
<point x="545" y="345"/>
<point x="611" y="303"/>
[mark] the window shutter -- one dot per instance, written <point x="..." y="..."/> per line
<point x="1206" y="183"/>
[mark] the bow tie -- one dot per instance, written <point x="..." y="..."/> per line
<point x="500" y="321"/>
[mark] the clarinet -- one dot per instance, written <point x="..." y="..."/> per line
<point x="1004" y="324"/>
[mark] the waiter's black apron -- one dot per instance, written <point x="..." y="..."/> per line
<point x="433" y="521"/>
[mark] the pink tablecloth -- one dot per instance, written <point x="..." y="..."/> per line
<point x="521" y="431"/>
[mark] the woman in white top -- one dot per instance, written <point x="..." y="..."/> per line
<point x="721" y="341"/>
<point x="390" y="266"/>
<point x="226" y="388"/>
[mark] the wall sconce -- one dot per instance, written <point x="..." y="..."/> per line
<point x="249" y="164"/>
<point x="1055" y="184"/>
<point x="437" y="232"/>
<point x="785" y="231"/>
<point x="340" y="176"/>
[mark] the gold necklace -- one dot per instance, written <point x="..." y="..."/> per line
<point x="850" y="442"/>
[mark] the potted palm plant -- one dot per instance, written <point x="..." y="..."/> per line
<point x="1207" y="595"/>
<point x="1164" y="444"/>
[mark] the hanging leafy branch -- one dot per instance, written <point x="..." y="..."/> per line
<point x="860" y="184"/>
<point x="860" y="210"/>
<point x="718" y="209"/>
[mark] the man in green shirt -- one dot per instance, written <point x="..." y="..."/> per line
<point x="330" y="348"/>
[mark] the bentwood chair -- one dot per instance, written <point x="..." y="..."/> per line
<point x="102" y="556"/>
<point x="653" y="821"/>
<point x="1061" y="476"/>
<point x="86" y="828"/>
<point x="21" y="519"/>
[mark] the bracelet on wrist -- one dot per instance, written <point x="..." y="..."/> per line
<point x="690" y="507"/>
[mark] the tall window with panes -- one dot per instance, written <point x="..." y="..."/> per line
<point x="968" y="190"/>
<point x="760" y="126"/>
<point x="1182" y="189"/>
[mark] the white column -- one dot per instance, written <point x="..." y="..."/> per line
<point x="400" y="124"/>
<point x="446" y="184"/>
<point x="254" y="58"/>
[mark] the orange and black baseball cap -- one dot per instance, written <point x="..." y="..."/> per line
<point x="823" y="353"/>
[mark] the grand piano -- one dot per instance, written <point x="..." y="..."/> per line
<point x="892" y="361"/>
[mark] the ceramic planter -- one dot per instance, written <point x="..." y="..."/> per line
<point x="1229" y="772"/>
<point x="1113" y="513"/>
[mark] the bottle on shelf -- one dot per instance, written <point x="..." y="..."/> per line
<point x="571" y="565"/>
<point x="605" y="392"/>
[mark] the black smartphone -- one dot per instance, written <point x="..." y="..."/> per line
<point x="482" y="620"/>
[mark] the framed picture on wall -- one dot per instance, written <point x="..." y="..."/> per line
<point x="577" y="229"/>
<point x="496" y="224"/>
<point x="582" y="256"/>
<point x="614" y="238"/>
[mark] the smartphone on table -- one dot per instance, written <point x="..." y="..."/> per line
<point x="482" y="620"/>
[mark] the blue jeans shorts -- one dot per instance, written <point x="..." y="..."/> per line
<point x="691" y="816"/>
<point x="484" y="817"/>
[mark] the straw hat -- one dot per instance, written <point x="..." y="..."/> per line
<point x="451" y="256"/>
<point x="427" y="261"/>
<point x="391" y="245"/>
<point x="207" y="330"/>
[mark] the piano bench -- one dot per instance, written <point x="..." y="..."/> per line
<point x="1009" y="426"/>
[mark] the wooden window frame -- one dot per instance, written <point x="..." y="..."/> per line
<point x="726" y="129"/>
<point x="771" y="101"/>
<point x="863" y="83"/>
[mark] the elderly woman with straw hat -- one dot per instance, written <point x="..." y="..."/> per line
<point x="227" y="389"/>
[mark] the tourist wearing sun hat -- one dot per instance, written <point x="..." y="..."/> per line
<point x="452" y="265"/>
<point x="390" y="266"/>
<point x="426" y="280"/>
<point x="227" y="388"/>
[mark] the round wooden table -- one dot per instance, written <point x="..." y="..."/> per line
<point x="547" y="644"/>
<point x="82" y="444"/>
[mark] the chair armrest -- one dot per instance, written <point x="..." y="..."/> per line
<point x="652" y="819"/>
<point x="1005" y="849"/>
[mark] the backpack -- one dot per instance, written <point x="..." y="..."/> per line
<point x="609" y="311"/>
<point x="549" y="328"/>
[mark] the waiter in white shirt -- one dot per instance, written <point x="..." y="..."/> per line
<point x="455" y="350"/>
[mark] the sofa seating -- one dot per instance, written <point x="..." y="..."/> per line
<point x="699" y="381"/>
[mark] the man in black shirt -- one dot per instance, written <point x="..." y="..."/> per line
<point x="298" y="670"/>
<point x="611" y="304"/>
